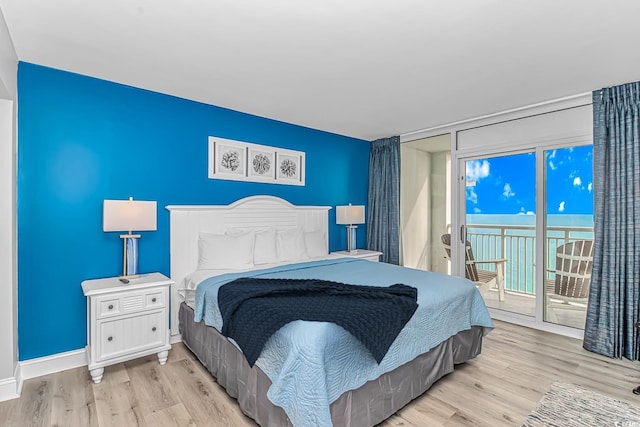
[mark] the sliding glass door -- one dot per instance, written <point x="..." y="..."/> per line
<point x="499" y="224"/>
<point x="501" y="234"/>
<point x="568" y="232"/>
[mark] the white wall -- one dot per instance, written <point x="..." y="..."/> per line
<point x="425" y="202"/>
<point x="8" y="315"/>
<point x="415" y="207"/>
<point x="7" y="241"/>
<point x="440" y="208"/>
<point x="8" y="63"/>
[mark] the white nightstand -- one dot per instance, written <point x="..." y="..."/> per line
<point x="126" y="321"/>
<point x="361" y="253"/>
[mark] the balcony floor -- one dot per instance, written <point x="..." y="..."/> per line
<point x="525" y="304"/>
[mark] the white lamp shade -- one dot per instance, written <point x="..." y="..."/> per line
<point x="352" y="214"/>
<point x="129" y="215"/>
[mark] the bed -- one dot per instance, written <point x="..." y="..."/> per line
<point x="320" y="375"/>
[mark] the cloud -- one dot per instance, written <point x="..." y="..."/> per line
<point x="525" y="212"/>
<point x="477" y="210"/>
<point x="476" y="169"/>
<point x="561" y="207"/>
<point x="507" y="191"/>
<point x="472" y="196"/>
<point x="590" y="187"/>
<point x="577" y="182"/>
<point x="552" y="155"/>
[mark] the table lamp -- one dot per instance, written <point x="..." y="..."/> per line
<point x="129" y="215"/>
<point x="350" y="215"/>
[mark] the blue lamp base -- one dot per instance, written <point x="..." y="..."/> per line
<point x="351" y="239"/>
<point x="130" y="256"/>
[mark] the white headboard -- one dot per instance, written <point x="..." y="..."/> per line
<point x="256" y="211"/>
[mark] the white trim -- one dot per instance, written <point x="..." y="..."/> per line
<point x="51" y="364"/>
<point x="174" y="339"/>
<point x="512" y="114"/>
<point x="19" y="378"/>
<point x="8" y="290"/>
<point x="529" y="322"/>
<point x="10" y="388"/>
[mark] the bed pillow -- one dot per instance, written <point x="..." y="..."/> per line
<point x="315" y="244"/>
<point x="290" y="245"/>
<point x="265" y="251"/>
<point x="220" y="251"/>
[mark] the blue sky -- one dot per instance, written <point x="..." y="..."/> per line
<point x="507" y="185"/>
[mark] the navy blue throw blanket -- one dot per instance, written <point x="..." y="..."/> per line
<point x="254" y="309"/>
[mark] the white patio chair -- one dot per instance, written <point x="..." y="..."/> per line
<point x="484" y="279"/>
<point x="570" y="288"/>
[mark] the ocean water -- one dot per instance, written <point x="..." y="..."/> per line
<point x="513" y="237"/>
<point x="552" y="220"/>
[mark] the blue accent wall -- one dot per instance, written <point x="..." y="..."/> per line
<point x="82" y="140"/>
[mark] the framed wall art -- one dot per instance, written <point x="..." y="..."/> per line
<point x="230" y="159"/>
<point x="244" y="161"/>
<point x="262" y="164"/>
<point x="290" y="167"/>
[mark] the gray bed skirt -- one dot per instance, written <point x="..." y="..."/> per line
<point x="365" y="406"/>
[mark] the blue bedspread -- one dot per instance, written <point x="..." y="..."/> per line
<point x="294" y="358"/>
<point x="254" y="308"/>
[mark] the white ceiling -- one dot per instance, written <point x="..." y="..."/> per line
<point x="363" y="68"/>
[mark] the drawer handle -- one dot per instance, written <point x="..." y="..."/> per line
<point x="110" y="339"/>
<point x="153" y="299"/>
<point x="110" y="306"/>
<point x="153" y="329"/>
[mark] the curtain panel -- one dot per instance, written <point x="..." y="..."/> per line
<point x="383" y="217"/>
<point x="614" y="296"/>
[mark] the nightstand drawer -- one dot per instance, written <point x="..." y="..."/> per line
<point x="129" y="302"/>
<point x="154" y="299"/>
<point x="108" y="307"/>
<point x="127" y="335"/>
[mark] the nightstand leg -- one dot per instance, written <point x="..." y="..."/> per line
<point x="96" y="375"/>
<point x="162" y="357"/>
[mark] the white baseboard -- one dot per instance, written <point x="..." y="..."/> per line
<point x="51" y="364"/>
<point x="10" y="388"/>
<point x="175" y="338"/>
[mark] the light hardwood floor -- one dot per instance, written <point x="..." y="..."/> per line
<point x="498" y="388"/>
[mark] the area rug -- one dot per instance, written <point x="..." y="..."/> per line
<point x="568" y="405"/>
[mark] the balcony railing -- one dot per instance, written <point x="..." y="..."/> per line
<point x="516" y="243"/>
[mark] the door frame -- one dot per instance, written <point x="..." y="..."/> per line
<point x="584" y="130"/>
<point x="458" y="162"/>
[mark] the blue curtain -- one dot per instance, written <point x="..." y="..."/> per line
<point x="615" y="282"/>
<point x="383" y="217"/>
